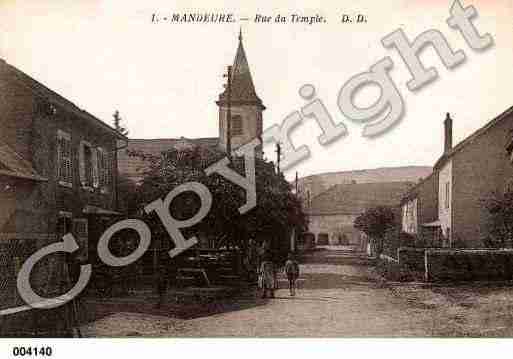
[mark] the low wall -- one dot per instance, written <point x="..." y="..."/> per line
<point x="442" y="265"/>
<point x="412" y="258"/>
<point x="468" y="264"/>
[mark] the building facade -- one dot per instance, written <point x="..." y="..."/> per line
<point x="470" y="173"/>
<point x="465" y="176"/>
<point x="58" y="173"/>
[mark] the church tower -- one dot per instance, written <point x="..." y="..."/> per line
<point x="246" y="107"/>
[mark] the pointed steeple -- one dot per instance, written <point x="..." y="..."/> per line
<point x="240" y="115"/>
<point x="243" y="90"/>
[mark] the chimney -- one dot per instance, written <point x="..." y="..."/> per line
<point x="448" y="133"/>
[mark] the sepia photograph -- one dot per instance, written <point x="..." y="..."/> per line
<point x="241" y="170"/>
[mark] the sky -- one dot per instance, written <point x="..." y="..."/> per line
<point x="165" y="78"/>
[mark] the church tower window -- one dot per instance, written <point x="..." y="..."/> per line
<point x="236" y="125"/>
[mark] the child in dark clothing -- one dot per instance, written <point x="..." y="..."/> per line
<point x="292" y="272"/>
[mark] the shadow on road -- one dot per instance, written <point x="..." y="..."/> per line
<point x="335" y="281"/>
<point x="98" y="309"/>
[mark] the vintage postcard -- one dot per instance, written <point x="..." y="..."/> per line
<point x="286" y="169"/>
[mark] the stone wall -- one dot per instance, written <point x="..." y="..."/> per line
<point x="468" y="265"/>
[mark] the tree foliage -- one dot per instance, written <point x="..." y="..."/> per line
<point x="117" y="124"/>
<point x="277" y="211"/>
<point x="500" y="220"/>
<point x="375" y="221"/>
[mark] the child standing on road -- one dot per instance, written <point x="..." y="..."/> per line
<point x="292" y="271"/>
<point x="266" y="277"/>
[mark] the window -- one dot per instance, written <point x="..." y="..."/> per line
<point x="104" y="169"/>
<point x="236" y="129"/>
<point x="64" y="160"/>
<point x="88" y="165"/>
<point x="447" y="194"/>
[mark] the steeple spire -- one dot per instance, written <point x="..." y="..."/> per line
<point x="243" y="89"/>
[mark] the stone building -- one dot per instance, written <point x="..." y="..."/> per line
<point x="469" y="173"/>
<point x="58" y="174"/>
<point x="246" y="122"/>
<point x="463" y="178"/>
<point x="333" y="212"/>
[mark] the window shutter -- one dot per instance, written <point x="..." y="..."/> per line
<point x="102" y="166"/>
<point x="81" y="164"/>
<point x="64" y="162"/>
<point x="60" y="167"/>
<point x="67" y="161"/>
<point x="94" y="164"/>
<point x="236" y="125"/>
<point x="108" y="169"/>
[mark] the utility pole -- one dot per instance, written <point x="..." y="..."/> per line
<point x="294" y="237"/>
<point x="278" y="156"/>
<point x="228" y="86"/>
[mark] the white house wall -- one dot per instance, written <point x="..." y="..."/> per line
<point x="410" y="216"/>
<point x="444" y="213"/>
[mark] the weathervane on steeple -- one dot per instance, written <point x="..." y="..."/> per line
<point x="240" y="33"/>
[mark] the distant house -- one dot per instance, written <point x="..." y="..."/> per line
<point x="464" y="176"/>
<point x="419" y="210"/>
<point x="58" y="174"/>
<point x="333" y="212"/>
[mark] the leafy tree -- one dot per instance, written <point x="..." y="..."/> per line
<point x="117" y="124"/>
<point x="375" y="222"/>
<point x="278" y="210"/>
<point x="500" y="220"/>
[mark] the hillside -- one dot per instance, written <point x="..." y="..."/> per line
<point x="318" y="183"/>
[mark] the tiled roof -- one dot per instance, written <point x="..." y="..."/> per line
<point x="13" y="165"/>
<point x="243" y="90"/>
<point x="356" y="198"/>
<point x="134" y="167"/>
<point x="54" y="98"/>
